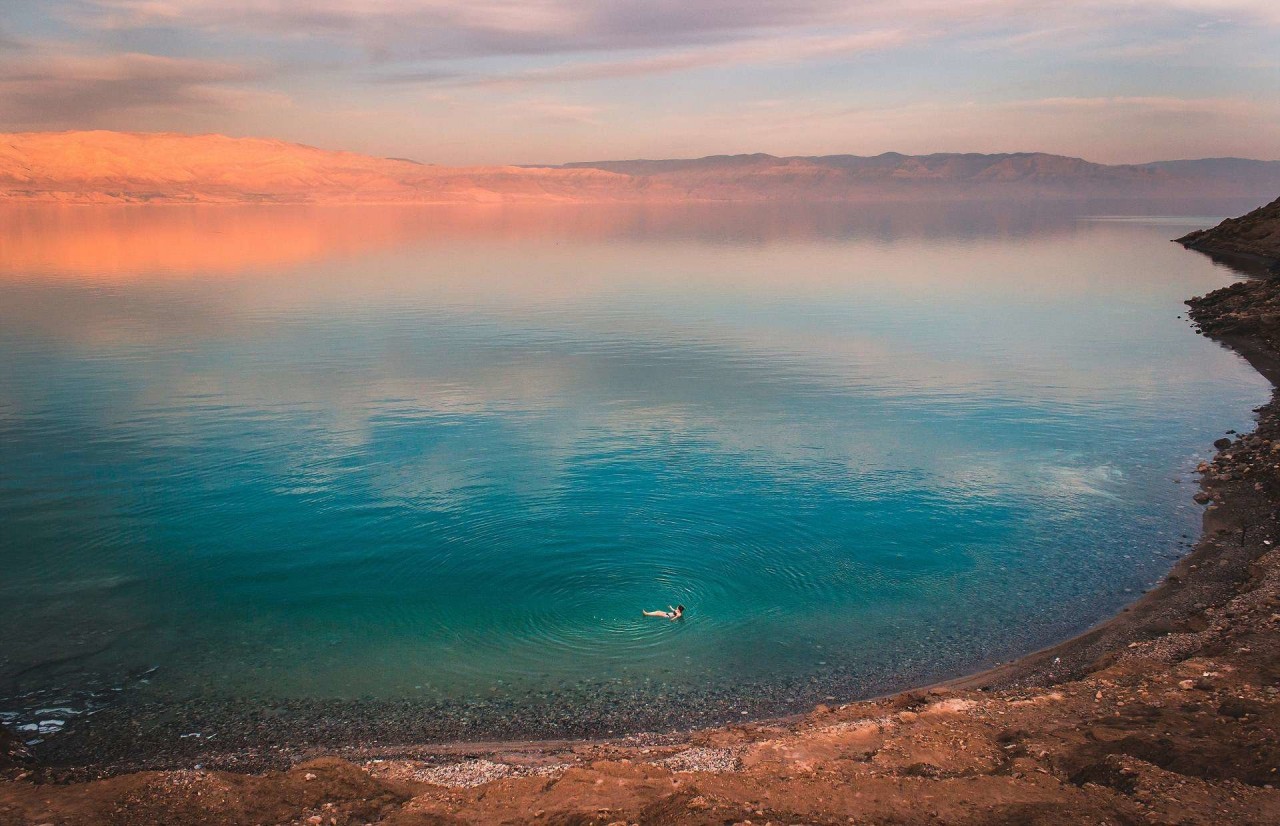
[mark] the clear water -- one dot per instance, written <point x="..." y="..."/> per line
<point x="449" y="455"/>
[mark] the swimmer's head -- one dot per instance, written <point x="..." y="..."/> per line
<point x="679" y="609"/>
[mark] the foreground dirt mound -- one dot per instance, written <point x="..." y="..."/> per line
<point x="338" y="790"/>
<point x="1183" y="727"/>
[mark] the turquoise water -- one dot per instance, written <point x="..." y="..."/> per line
<point x="446" y="457"/>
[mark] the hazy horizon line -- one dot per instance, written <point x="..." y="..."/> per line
<point x="634" y="159"/>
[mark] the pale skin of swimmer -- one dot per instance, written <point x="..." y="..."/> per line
<point x="671" y="613"/>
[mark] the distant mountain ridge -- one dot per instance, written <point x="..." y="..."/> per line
<point x="1029" y="172"/>
<point x="114" y="167"/>
<point x="955" y="166"/>
<point x="126" y="167"/>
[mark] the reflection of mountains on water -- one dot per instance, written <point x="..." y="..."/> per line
<point x="122" y="243"/>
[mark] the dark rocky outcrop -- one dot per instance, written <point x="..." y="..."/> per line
<point x="1250" y="242"/>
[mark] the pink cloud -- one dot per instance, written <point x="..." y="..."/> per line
<point x="1107" y="129"/>
<point x="747" y="52"/>
<point x="443" y="28"/>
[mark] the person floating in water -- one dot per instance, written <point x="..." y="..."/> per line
<point x="671" y="613"/>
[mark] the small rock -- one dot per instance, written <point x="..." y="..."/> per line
<point x="308" y="776"/>
<point x="1233" y="708"/>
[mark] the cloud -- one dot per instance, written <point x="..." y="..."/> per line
<point x="555" y="111"/>
<point x="1235" y="109"/>
<point x="1149" y="105"/>
<point x="1258" y="10"/>
<point x="753" y="52"/>
<point x="940" y="73"/>
<point x="440" y="29"/>
<point x="80" y="91"/>
<point x="1115" y="129"/>
<point x="467" y="28"/>
<point x="10" y="43"/>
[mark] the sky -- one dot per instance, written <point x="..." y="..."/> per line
<point x="552" y="81"/>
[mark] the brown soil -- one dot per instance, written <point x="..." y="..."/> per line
<point x="1169" y="714"/>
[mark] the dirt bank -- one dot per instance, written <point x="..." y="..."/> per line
<point x="1168" y="714"/>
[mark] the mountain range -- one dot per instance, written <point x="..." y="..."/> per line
<point x="123" y="167"/>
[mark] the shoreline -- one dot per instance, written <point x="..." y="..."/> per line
<point x="1176" y="695"/>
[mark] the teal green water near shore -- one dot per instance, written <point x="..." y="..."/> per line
<point x="443" y="455"/>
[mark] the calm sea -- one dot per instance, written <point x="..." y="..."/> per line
<point x="440" y="459"/>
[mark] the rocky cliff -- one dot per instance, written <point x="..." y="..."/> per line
<point x="1252" y="239"/>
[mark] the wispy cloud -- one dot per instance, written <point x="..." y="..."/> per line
<point x="1114" y="128"/>
<point x="749" y="52"/>
<point x="51" y="92"/>
<point x="1151" y="104"/>
<point x="452" y="28"/>
<point x="555" y="111"/>
<point x="10" y="43"/>
<point x="1264" y="11"/>
<point x="468" y="28"/>
<point x="1099" y="108"/>
<point x="541" y="80"/>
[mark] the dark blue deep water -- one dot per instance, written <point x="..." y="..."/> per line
<point x="448" y="456"/>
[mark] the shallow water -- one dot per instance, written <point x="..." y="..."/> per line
<point x="446" y="456"/>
